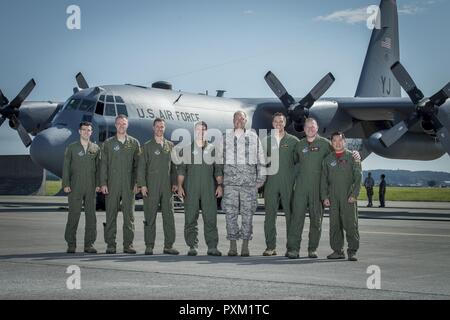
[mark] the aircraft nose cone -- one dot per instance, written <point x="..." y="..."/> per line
<point x="47" y="148"/>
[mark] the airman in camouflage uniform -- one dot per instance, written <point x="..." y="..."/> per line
<point x="243" y="175"/>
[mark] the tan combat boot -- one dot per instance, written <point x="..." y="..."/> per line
<point x="244" y="250"/>
<point x="233" y="248"/>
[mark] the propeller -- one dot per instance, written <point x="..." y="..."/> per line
<point x="81" y="81"/>
<point x="427" y="110"/>
<point x="298" y="111"/>
<point x="10" y="110"/>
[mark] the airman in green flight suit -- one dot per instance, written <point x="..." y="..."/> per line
<point x="279" y="185"/>
<point x="118" y="173"/>
<point x="196" y="184"/>
<point x="340" y="184"/>
<point x="157" y="179"/>
<point x="80" y="181"/>
<point x="311" y="151"/>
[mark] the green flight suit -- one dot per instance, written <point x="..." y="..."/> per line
<point x="157" y="173"/>
<point x="279" y="185"/>
<point x="307" y="192"/>
<point x="118" y="171"/>
<point x="80" y="173"/>
<point x="199" y="186"/>
<point x="341" y="178"/>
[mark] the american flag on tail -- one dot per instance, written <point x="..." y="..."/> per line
<point x="386" y="43"/>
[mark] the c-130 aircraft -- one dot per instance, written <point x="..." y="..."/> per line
<point x="377" y="119"/>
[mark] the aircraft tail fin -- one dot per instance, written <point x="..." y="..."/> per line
<point x="376" y="78"/>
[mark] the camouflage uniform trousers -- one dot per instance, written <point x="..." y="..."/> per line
<point x="238" y="199"/>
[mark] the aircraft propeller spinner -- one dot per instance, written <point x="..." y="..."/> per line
<point x="298" y="111"/>
<point x="10" y="110"/>
<point x="427" y="110"/>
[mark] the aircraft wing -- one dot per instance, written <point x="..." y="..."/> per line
<point x="375" y="109"/>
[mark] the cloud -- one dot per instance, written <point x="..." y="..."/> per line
<point x="350" y="16"/>
<point x="359" y="15"/>
<point x="411" y="9"/>
<point x="248" y="11"/>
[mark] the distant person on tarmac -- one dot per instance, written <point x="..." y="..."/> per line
<point x="369" y="184"/>
<point x="382" y="191"/>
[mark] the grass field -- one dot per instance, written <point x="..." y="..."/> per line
<point x="410" y="194"/>
<point x="52" y="187"/>
<point x="392" y="193"/>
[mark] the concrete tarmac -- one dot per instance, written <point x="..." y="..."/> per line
<point x="409" y="243"/>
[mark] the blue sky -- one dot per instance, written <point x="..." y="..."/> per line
<point x="207" y="45"/>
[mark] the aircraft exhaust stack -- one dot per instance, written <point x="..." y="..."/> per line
<point x="220" y="93"/>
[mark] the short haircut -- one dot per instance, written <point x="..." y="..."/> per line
<point x="383" y="176"/>
<point x="278" y="114"/>
<point x="202" y="123"/>
<point x="85" y="124"/>
<point x="241" y="112"/>
<point x="337" y="133"/>
<point x="309" y="119"/>
<point x="121" y="116"/>
<point x="158" y="120"/>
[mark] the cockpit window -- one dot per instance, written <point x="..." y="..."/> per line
<point x="110" y="105"/>
<point x="73" y="104"/>
<point x="110" y="110"/>
<point x="87" y="106"/>
<point x="100" y="108"/>
<point x="122" y="109"/>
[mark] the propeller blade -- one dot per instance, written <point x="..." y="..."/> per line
<point x="440" y="97"/>
<point x="444" y="138"/>
<point x="23" y="134"/>
<point x="17" y="101"/>
<point x="396" y="132"/>
<point x="2" y="119"/>
<point x="81" y="81"/>
<point x="406" y="82"/>
<point x="3" y="100"/>
<point x="319" y="89"/>
<point x="279" y="90"/>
